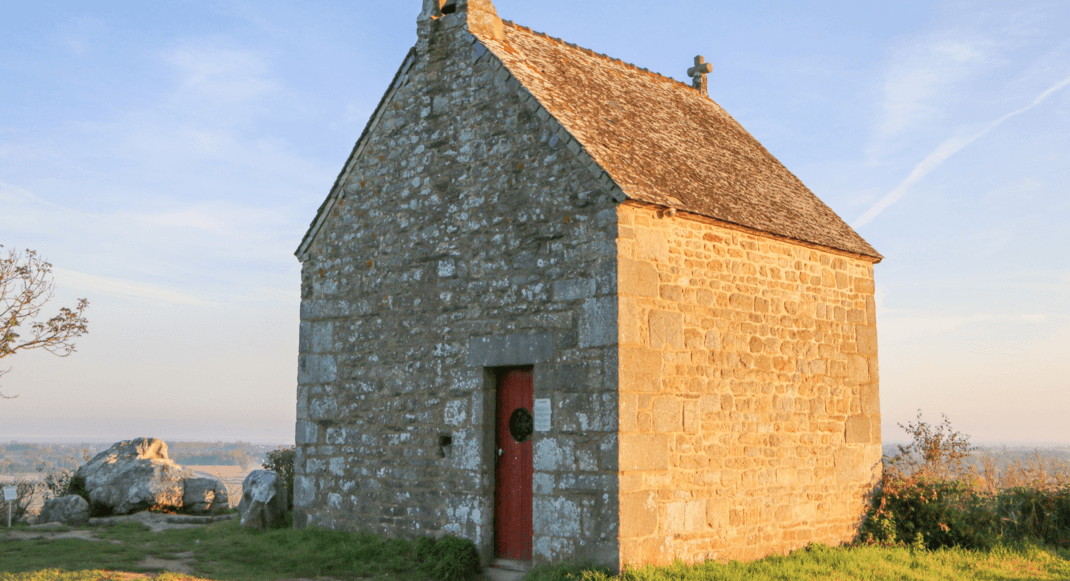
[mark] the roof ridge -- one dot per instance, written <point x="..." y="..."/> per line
<point x="595" y="53"/>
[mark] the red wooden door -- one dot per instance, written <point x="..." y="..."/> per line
<point x="512" y="484"/>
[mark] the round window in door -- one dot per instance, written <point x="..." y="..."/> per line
<point x="521" y="424"/>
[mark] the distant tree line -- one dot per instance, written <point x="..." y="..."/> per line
<point x="242" y="454"/>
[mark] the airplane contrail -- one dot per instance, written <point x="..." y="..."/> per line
<point x="943" y="153"/>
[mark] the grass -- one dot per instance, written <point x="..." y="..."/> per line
<point x="226" y="551"/>
<point x="223" y="551"/>
<point x="58" y="575"/>
<point x="849" y="564"/>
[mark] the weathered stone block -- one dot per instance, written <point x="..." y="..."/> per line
<point x="866" y="339"/>
<point x="686" y="517"/>
<point x="668" y="415"/>
<point x="652" y="244"/>
<point x="574" y="289"/>
<point x="302" y="402"/>
<point x="598" y="322"/>
<point x="629" y="412"/>
<point x="506" y="350"/>
<point x="640" y="369"/>
<point x="556" y="517"/>
<point x="666" y="330"/>
<point x="692" y="416"/>
<point x="638" y="278"/>
<point x="304" y="337"/>
<point x="850" y="466"/>
<point x="863" y="285"/>
<point x="554" y="454"/>
<point x="316" y="369"/>
<point x="871" y="403"/>
<point x="638" y="514"/>
<point x="587" y="412"/>
<point x="858" y="430"/>
<point x="717" y="513"/>
<point x="629" y="318"/>
<point x="556" y="377"/>
<point x="644" y="452"/>
<point x="741" y="302"/>
<point x="857" y="368"/>
<point x="322" y="337"/>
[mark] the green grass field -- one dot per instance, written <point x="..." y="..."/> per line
<point x="225" y="551"/>
<point x="851" y="564"/>
<point x="220" y="551"/>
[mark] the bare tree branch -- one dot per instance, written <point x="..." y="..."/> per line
<point x="26" y="284"/>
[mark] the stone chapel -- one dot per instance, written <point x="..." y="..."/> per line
<point x="570" y="309"/>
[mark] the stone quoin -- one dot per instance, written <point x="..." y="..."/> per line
<point x="570" y="309"/>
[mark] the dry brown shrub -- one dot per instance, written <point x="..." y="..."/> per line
<point x="1034" y="472"/>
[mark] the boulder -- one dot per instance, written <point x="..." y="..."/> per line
<point x="70" y="510"/>
<point x="204" y="496"/>
<point x="263" y="500"/>
<point x="130" y="476"/>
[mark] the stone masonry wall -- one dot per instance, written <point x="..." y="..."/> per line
<point x="473" y="234"/>
<point x="749" y="407"/>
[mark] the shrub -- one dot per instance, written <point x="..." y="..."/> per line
<point x="928" y="500"/>
<point x="936" y="451"/>
<point x="1034" y="514"/>
<point x="281" y="462"/>
<point x="930" y="513"/>
<point x="77" y="486"/>
<point x="28" y="492"/>
<point x="448" y="558"/>
<point x="58" y="482"/>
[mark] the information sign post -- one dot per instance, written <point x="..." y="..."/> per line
<point x="11" y="494"/>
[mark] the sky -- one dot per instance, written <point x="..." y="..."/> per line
<point x="167" y="157"/>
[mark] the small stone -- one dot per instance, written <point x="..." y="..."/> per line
<point x="205" y="496"/>
<point x="70" y="510"/>
<point x="263" y="503"/>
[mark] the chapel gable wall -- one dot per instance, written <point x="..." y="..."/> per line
<point x="749" y="408"/>
<point x="473" y="233"/>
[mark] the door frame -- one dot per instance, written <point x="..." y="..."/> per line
<point x="486" y="356"/>
<point x="499" y="374"/>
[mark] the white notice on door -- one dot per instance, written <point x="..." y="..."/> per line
<point x="542" y="415"/>
<point x="11" y="493"/>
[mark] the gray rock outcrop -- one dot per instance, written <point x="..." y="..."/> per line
<point x="132" y="475"/>
<point x="263" y="501"/>
<point x="205" y="495"/>
<point x="70" y="510"/>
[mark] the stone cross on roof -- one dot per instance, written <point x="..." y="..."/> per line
<point x="698" y="74"/>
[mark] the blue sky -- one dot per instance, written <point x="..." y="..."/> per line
<point x="168" y="157"/>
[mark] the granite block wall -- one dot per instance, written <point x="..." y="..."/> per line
<point x="749" y="406"/>
<point x="472" y="235"/>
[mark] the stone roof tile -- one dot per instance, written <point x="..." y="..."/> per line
<point x="665" y="143"/>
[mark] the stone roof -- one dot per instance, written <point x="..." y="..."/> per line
<point x="665" y="143"/>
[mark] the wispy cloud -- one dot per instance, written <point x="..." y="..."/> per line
<point x="945" y="151"/>
<point x="920" y="78"/>
<point x="80" y="282"/>
<point x="217" y="71"/>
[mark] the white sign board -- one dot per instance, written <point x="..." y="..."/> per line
<point x="542" y="415"/>
<point x="11" y="493"/>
